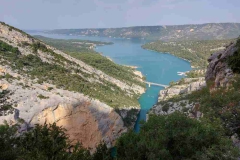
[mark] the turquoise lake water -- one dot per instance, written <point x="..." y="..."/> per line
<point x="156" y="67"/>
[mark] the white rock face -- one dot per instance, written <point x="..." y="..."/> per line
<point x="191" y="84"/>
<point x="86" y="120"/>
<point x="166" y="106"/>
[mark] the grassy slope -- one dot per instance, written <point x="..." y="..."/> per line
<point x="197" y="52"/>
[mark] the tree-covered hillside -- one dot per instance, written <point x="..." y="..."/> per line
<point x="166" y="33"/>
<point x="197" y="52"/>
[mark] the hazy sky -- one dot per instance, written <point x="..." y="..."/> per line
<point x="51" y="14"/>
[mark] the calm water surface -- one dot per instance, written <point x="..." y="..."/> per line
<point x="157" y="67"/>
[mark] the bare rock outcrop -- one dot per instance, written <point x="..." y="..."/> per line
<point x="166" y="106"/>
<point x="218" y="69"/>
<point x="86" y="120"/>
<point x="84" y="123"/>
<point x="190" y="85"/>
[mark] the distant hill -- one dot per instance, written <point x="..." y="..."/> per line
<point x="207" y="31"/>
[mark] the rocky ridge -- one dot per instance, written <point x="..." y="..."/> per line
<point x="166" y="33"/>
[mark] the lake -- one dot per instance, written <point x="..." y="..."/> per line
<point x="156" y="67"/>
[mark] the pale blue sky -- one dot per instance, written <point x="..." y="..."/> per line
<point x="52" y="14"/>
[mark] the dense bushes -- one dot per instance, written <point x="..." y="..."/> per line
<point x="5" y="105"/>
<point x="47" y="142"/>
<point x="221" y="103"/>
<point x="234" y="60"/>
<point x="166" y="137"/>
<point x="176" y="137"/>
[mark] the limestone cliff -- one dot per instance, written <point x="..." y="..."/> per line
<point x="40" y="84"/>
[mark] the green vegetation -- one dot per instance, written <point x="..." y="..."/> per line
<point x="48" y="142"/>
<point x="234" y="60"/>
<point x="42" y="96"/>
<point x="50" y="88"/>
<point x="5" y="106"/>
<point x="197" y="52"/>
<point x="195" y="74"/>
<point x="72" y="45"/>
<point x="175" y="137"/>
<point x="130" y="118"/>
<point x="89" y="56"/>
<point x="220" y="104"/>
<point x="167" y="137"/>
<point x="165" y="108"/>
<point x="102" y="63"/>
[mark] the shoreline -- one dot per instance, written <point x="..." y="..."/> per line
<point x="139" y="74"/>
<point x="133" y="67"/>
<point x="172" y="55"/>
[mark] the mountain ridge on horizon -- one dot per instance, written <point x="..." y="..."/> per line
<point x="206" y="31"/>
<point x="136" y="26"/>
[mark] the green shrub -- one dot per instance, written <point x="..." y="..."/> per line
<point x="176" y="136"/>
<point x="8" y="77"/>
<point x="165" y="107"/>
<point x="42" y="97"/>
<point x="234" y="60"/>
<point x="50" y="88"/>
<point x="45" y="142"/>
